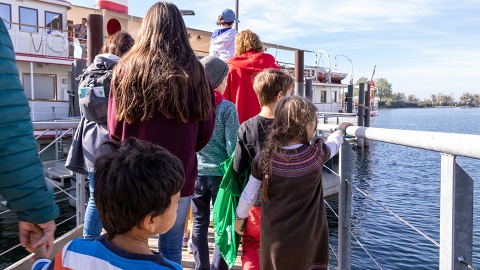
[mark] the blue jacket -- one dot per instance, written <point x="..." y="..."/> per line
<point x="22" y="182"/>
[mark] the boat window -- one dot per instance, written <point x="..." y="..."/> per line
<point x="28" y="19"/>
<point x="334" y="96"/>
<point x="44" y="86"/>
<point x="53" y="20"/>
<point x="323" y="97"/>
<point x="6" y="13"/>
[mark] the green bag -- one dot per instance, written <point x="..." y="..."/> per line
<point x="231" y="187"/>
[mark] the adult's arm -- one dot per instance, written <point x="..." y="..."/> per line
<point x="22" y="182"/>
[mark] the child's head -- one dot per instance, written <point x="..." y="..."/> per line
<point x="295" y="122"/>
<point x="216" y="70"/>
<point x="137" y="185"/>
<point x="118" y="44"/>
<point x="272" y="84"/>
<point x="227" y="18"/>
<point x="246" y="41"/>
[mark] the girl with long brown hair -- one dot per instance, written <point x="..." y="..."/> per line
<point x="160" y="94"/>
<point x="294" y="229"/>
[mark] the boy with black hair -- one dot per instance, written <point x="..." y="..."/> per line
<point x="137" y="188"/>
<point x="270" y="85"/>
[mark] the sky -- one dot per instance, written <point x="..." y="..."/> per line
<point x="422" y="47"/>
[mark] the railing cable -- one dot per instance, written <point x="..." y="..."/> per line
<point x="365" y="249"/>
<point x="360" y="244"/>
<point x="394" y="214"/>
<point x="61" y="190"/>
<point x="19" y="245"/>
<point x="461" y="260"/>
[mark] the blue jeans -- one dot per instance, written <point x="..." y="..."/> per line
<point x="170" y="243"/>
<point x="92" y="225"/>
<point x="206" y="189"/>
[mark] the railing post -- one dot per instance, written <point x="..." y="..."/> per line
<point x="456" y="215"/>
<point x="361" y="111"/>
<point x="80" y="198"/>
<point x="344" y="208"/>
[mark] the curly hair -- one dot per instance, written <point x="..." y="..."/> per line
<point x="293" y="115"/>
<point x="246" y="41"/>
<point x="161" y="72"/>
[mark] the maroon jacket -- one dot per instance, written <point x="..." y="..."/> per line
<point x="181" y="139"/>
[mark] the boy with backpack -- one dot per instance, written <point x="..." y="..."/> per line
<point x="92" y="132"/>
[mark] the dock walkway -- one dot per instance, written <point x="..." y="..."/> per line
<point x="188" y="261"/>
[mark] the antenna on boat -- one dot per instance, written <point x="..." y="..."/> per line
<point x="351" y="66"/>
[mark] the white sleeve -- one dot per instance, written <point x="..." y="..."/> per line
<point x="333" y="143"/>
<point x="248" y="197"/>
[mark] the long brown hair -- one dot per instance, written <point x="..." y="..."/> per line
<point x="293" y="115"/>
<point x="161" y="72"/>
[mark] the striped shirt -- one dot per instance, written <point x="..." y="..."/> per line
<point x="101" y="254"/>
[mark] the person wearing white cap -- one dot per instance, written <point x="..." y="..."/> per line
<point x="222" y="44"/>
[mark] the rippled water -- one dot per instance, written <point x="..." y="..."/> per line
<point x="407" y="181"/>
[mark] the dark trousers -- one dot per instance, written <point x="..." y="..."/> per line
<point x="206" y="189"/>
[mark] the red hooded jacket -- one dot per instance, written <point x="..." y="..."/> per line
<point x="242" y="71"/>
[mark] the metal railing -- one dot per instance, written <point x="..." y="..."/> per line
<point x="456" y="203"/>
<point x="36" y="42"/>
<point x="58" y="127"/>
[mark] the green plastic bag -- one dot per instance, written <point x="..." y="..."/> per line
<point x="231" y="187"/>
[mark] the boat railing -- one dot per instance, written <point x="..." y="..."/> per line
<point x="456" y="193"/>
<point x="44" y="41"/>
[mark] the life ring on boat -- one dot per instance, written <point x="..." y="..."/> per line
<point x="58" y="48"/>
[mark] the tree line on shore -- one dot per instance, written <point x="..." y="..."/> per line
<point x="390" y="99"/>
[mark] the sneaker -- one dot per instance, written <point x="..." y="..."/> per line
<point x="186" y="238"/>
<point x="189" y="249"/>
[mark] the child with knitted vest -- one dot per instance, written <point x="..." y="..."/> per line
<point x="294" y="228"/>
<point x="219" y="148"/>
<point x="270" y="86"/>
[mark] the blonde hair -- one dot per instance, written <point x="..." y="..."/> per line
<point x="269" y="82"/>
<point x="161" y="72"/>
<point x="246" y="41"/>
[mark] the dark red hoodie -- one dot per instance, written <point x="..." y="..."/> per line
<point x="242" y="71"/>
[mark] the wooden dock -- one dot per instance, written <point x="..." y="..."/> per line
<point x="188" y="262"/>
